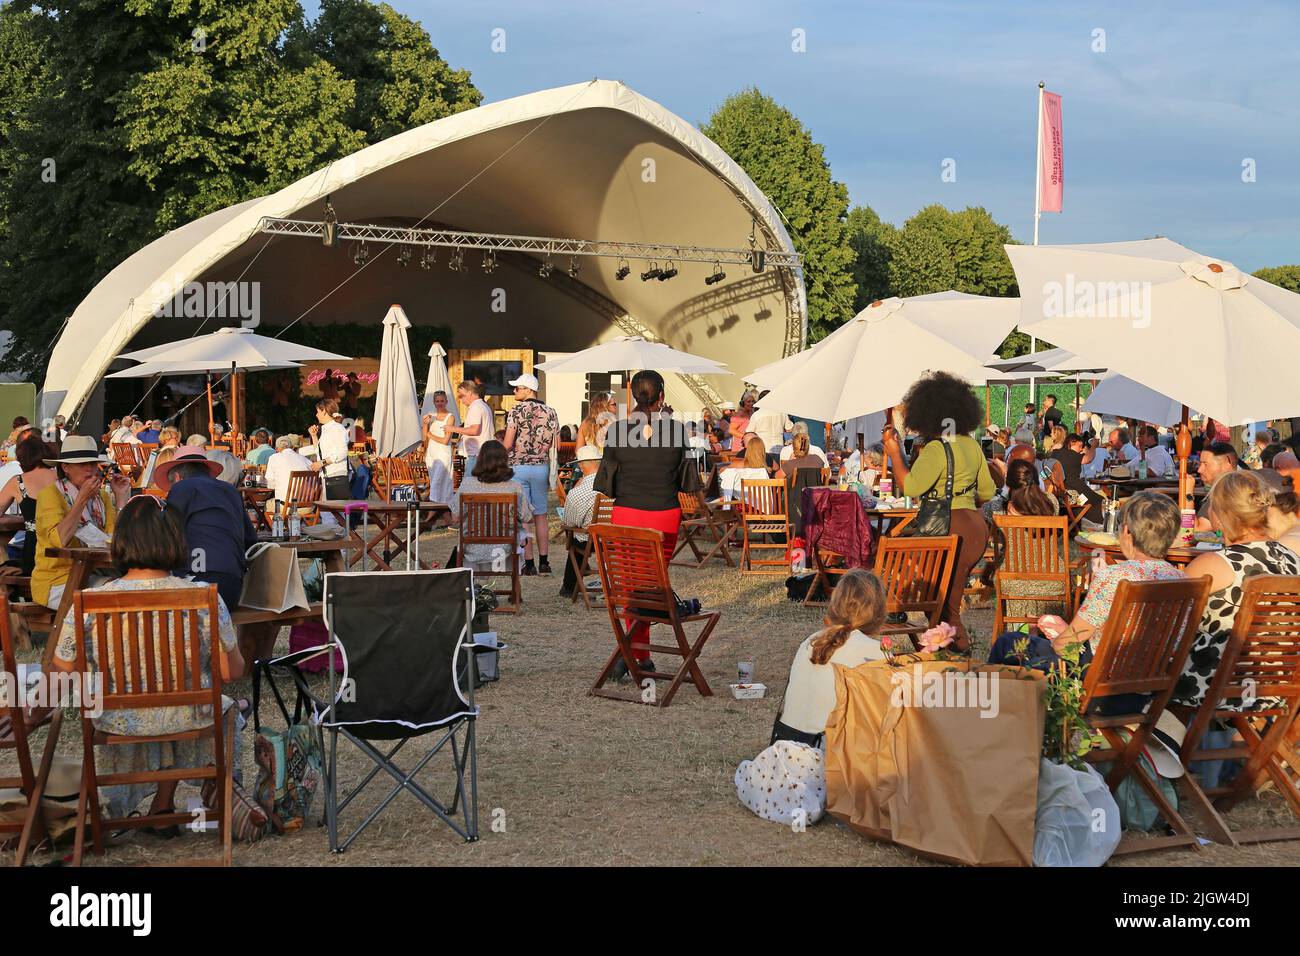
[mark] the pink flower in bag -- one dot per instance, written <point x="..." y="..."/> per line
<point x="938" y="637"/>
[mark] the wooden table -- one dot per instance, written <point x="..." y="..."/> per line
<point x="1177" y="555"/>
<point x="84" y="561"/>
<point x="387" y="528"/>
<point x="255" y="500"/>
<point x="880" y="518"/>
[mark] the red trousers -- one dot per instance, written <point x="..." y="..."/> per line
<point x="666" y="521"/>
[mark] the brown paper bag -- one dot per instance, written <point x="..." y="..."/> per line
<point x="910" y="759"/>
<point x="273" y="581"/>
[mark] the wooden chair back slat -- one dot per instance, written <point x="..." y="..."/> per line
<point x="602" y="511"/>
<point x="489" y="519"/>
<point x="304" y="488"/>
<point x="1147" y="637"/>
<point x="916" y="573"/>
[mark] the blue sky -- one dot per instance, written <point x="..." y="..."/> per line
<point x="1156" y="127"/>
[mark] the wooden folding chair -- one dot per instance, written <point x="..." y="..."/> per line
<point x="304" y="486"/>
<point x="602" y="512"/>
<point x="699" y="519"/>
<point x="1144" y="644"/>
<point x="457" y="470"/>
<point x="916" y="574"/>
<point x="493" y="520"/>
<point x="419" y="472"/>
<point x="1037" y="549"/>
<point x="391" y="474"/>
<point x="148" y="648"/>
<point x="125" y="456"/>
<point x="634" y="575"/>
<point x="764" y="512"/>
<point x="1256" y="692"/>
<point x="15" y="728"/>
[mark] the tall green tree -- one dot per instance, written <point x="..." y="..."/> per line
<point x="150" y="113"/>
<point x="869" y="238"/>
<point x="1288" y="277"/>
<point x="939" y="249"/>
<point x="784" y="161"/>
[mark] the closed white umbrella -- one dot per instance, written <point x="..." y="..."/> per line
<point x="396" y="428"/>
<point x="439" y="381"/>
<point x="633" y="352"/>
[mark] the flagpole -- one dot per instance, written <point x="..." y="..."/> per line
<point x="1038" y="198"/>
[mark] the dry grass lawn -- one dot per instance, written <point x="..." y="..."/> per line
<point x="580" y="780"/>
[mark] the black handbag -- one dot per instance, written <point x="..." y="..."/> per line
<point x="934" y="514"/>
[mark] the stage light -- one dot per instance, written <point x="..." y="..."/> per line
<point x="404" y="256"/>
<point x="668" y="273"/>
<point x="330" y="226"/>
<point x="623" y="270"/>
<point x="545" y="270"/>
<point x="457" y="261"/>
<point x="427" y="258"/>
<point x="758" y="259"/>
<point x="489" y="262"/>
<point x="573" y="267"/>
<point x="361" y="253"/>
<point x="653" y="272"/>
<point x="717" y="276"/>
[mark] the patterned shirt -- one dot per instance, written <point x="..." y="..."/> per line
<point x="1101" y="592"/>
<point x="580" y="505"/>
<point x="536" y="429"/>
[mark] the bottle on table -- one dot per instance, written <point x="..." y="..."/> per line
<point x="295" y="521"/>
<point x="277" y="522"/>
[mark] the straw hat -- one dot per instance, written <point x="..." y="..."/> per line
<point x="78" y="450"/>
<point x="1165" y="744"/>
<point x="185" y="455"/>
<point x="588" y="453"/>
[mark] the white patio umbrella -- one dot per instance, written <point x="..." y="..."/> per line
<point x="1122" y="397"/>
<point x="439" y="381"/>
<point x="396" y="428"/>
<point x="225" y="350"/>
<point x="633" y="352"/>
<point x="1189" y="326"/>
<point x="974" y="324"/>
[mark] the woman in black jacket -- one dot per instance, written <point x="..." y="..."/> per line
<point x="641" y="470"/>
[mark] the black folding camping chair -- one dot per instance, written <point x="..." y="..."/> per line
<point x="406" y="645"/>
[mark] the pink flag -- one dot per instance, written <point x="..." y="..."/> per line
<point x="1052" y="172"/>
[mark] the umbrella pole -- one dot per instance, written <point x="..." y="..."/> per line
<point x="884" y="459"/>
<point x="1183" y="445"/>
<point x="234" y="405"/>
<point x="988" y="420"/>
<point x="210" y="429"/>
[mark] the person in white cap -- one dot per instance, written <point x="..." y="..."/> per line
<point x="532" y="429"/>
<point x="579" y="508"/>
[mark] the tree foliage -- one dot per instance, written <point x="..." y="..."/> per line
<point x="1288" y="277"/>
<point x="124" y="119"/>
<point x="784" y="161"/>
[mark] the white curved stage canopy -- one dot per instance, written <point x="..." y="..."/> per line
<point x="593" y="161"/>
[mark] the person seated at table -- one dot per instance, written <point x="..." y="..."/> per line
<point x="199" y="441"/>
<point x="76" y="510"/>
<point x="212" y="516"/>
<point x="801" y="456"/>
<point x="1217" y="459"/>
<point x="279" y="468"/>
<point x="1239" y="507"/>
<point x="232" y="468"/>
<point x="150" y="432"/>
<point x="148" y="544"/>
<point x="1159" y="462"/>
<point x="1021" y="440"/>
<point x="169" y="437"/>
<point x="1264" y="437"/>
<point x="125" y="432"/>
<point x="752" y="467"/>
<point x="1148" y="525"/>
<point x="112" y="429"/>
<point x="492" y="475"/>
<point x="262" y="449"/>
<point x="24" y="488"/>
<point x="579" y="509"/>
<point x="1286" y="463"/>
<point x="1121" y="450"/>
<point x="1022" y="476"/>
<point x="1283" y="508"/>
<point x="788" y="449"/>
<point x="1269" y="454"/>
<point x="159" y="457"/>
<point x="1071" y="454"/>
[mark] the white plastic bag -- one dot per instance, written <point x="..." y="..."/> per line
<point x="1077" y="823"/>
<point x="785" y="783"/>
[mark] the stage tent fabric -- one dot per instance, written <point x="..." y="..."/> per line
<point x="592" y="161"/>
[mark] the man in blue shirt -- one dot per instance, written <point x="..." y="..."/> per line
<point x="149" y="434"/>
<point x="217" y="529"/>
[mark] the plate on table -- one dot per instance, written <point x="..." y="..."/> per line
<point x="1102" y="538"/>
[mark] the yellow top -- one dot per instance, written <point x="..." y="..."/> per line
<point x="971" y="475"/>
<point x="51" y="508"/>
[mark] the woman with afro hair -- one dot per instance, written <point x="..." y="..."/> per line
<point x="942" y="409"/>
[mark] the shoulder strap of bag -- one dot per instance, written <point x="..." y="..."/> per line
<point x="947" y="485"/>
